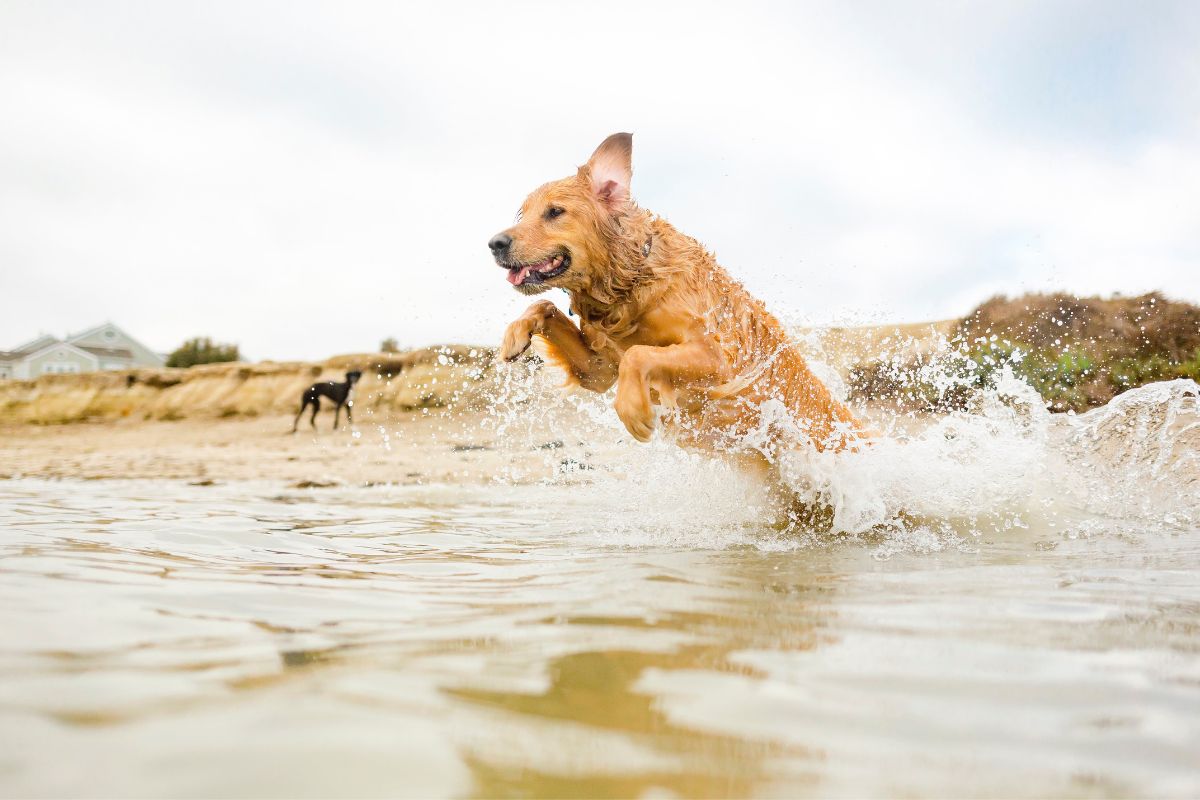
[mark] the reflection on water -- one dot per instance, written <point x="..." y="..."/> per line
<point x="162" y="639"/>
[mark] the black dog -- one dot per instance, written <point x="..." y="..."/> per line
<point x="339" y="393"/>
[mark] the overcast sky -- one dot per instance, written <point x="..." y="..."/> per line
<point x="306" y="179"/>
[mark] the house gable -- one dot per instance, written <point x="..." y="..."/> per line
<point x="59" y="357"/>
<point x="32" y="346"/>
<point x="108" y="337"/>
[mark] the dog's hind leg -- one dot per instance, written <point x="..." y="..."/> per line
<point x="316" y="404"/>
<point x="337" y="410"/>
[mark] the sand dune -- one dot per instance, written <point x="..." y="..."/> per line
<point x="427" y="378"/>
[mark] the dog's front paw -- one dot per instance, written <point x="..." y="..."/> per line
<point x="637" y="416"/>
<point x="517" y="339"/>
<point x="519" y="334"/>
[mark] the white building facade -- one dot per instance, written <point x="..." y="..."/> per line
<point x="102" y="347"/>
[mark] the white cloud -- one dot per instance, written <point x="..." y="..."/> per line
<point x="307" y="180"/>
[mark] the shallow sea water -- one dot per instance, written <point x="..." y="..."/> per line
<point x="170" y="640"/>
<point x="245" y="639"/>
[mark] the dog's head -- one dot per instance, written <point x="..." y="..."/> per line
<point x="353" y="376"/>
<point x="564" y="229"/>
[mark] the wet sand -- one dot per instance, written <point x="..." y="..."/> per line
<point x="413" y="448"/>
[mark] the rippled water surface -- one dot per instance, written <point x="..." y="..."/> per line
<point x="165" y="639"/>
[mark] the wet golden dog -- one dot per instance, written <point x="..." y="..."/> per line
<point x="659" y="318"/>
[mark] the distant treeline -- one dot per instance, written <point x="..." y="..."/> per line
<point x="202" y="350"/>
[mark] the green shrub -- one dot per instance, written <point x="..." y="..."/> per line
<point x="202" y="350"/>
<point x="1077" y="353"/>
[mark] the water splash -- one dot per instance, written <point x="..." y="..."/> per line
<point x="1137" y="458"/>
<point x="976" y="466"/>
<point x="997" y="463"/>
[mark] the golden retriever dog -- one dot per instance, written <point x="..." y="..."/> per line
<point x="659" y="318"/>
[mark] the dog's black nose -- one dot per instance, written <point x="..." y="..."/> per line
<point x="500" y="242"/>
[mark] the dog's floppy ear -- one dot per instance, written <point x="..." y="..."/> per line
<point x="610" y="169"/>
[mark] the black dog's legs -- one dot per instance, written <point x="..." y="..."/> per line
<point x="316" y="401"/>
<point x="349" y="419"/>
<point x="336" y="411"/>
<point x="299" y="414"/>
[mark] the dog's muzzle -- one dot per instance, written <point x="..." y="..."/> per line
<point x="536" y="272"/>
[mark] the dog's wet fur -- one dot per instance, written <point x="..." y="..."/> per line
<point x="658" y="317"/>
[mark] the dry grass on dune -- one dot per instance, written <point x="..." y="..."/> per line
<point x="1077" y="352"/>
<point x="1145" y="326"/>
<point x="426" y="378"/>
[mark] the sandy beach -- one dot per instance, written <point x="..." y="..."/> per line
<point x="416" y="448"/>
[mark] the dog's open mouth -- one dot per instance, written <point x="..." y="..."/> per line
<point x="539" y="271"/>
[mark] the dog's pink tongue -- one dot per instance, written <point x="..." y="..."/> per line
<point x="517" y="276"/>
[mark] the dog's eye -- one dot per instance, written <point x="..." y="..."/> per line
<point x="553" y="212"/>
